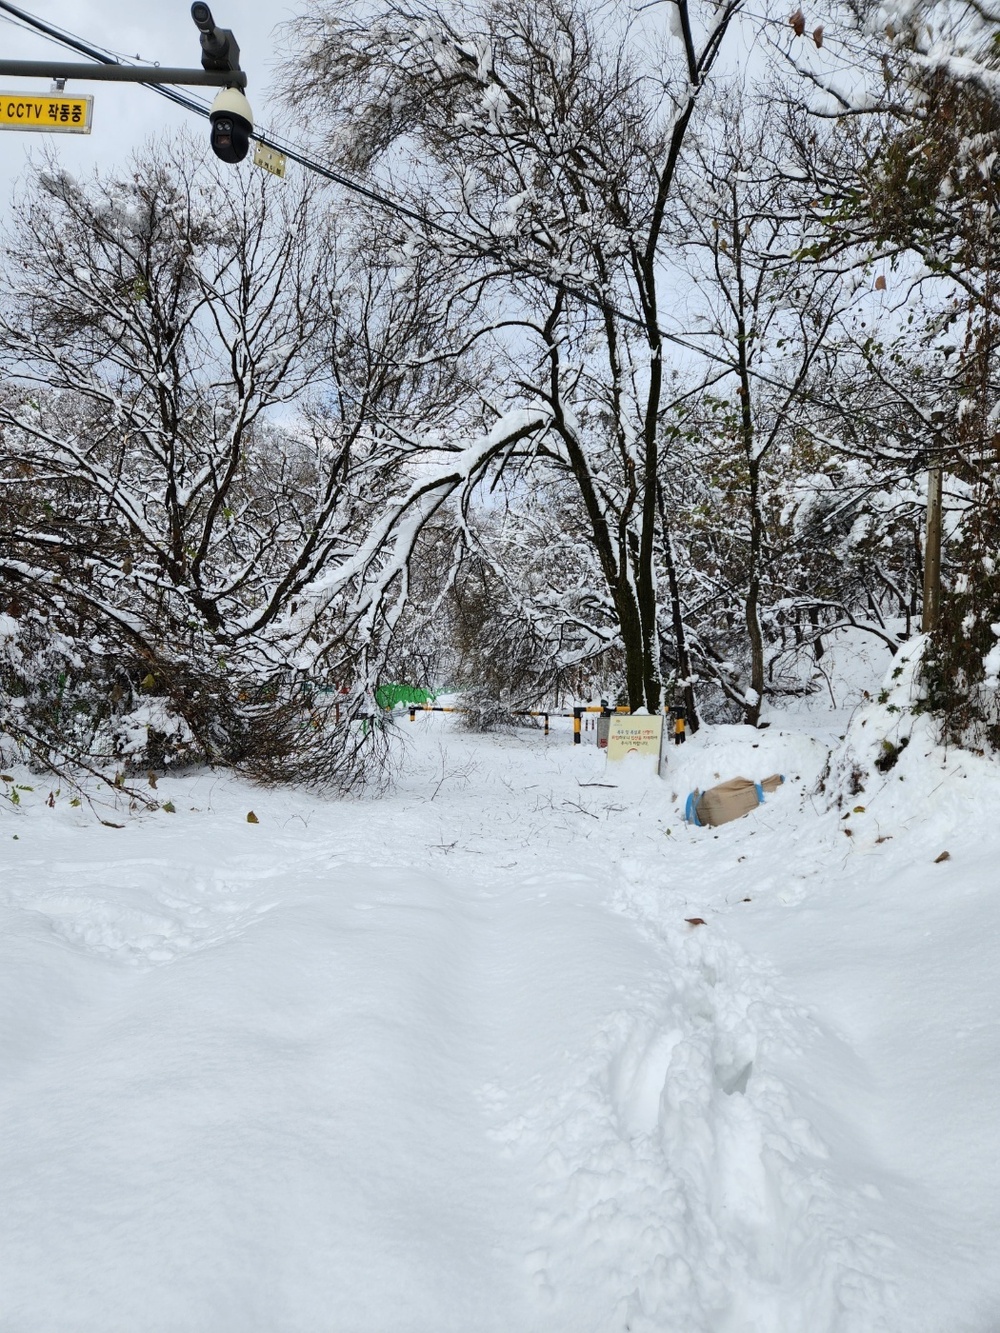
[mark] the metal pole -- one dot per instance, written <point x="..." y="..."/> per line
<point x="61" y="69"/>
<point x="932" y="551"/>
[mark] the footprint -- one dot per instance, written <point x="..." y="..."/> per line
<point x="637" y="1080"/>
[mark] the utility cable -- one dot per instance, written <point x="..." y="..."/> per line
<point x="385" y="201"/>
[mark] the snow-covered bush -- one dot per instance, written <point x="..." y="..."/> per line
<point x="67" y="696"/>
<point x="882" y="728"/>
<point x="172" y="536"/>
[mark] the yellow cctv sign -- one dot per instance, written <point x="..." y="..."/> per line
<point x="50" y="113"/>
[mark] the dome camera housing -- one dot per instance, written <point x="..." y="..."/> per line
<point x="232" y="125"/>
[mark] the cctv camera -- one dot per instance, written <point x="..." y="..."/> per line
<point x="232" y="124"/>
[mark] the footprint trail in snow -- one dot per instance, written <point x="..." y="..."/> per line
<point x="454" y="1064"/>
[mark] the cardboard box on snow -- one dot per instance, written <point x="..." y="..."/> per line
<point x="729" y="800"/>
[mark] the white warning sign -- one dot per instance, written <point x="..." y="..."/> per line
<point x="635" y="733"/>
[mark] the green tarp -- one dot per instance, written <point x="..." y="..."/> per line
<point x="388" y="696"/>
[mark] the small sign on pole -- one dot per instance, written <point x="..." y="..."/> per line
<point x="46" y="113"/>
<point x="270" y="160"/>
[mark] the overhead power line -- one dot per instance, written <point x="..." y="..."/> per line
<point x="382" y="199"/>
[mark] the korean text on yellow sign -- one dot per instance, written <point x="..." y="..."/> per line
<point x="51" y="113"/>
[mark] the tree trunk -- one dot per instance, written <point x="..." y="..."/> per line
<point x="634" y="644"/>
<point x="677" y="616"/>
<point x="753" y="598"/>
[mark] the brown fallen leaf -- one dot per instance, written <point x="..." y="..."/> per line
<point x="945" y="856"/>
<point x="880" y="283"/>
<point x="151" y="778"/>
<point x="252" y="818"/>
<point x="694" y="920"/>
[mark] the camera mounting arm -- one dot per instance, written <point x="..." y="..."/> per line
<point x="219" y="48"/>
<point x="115" y="73"/>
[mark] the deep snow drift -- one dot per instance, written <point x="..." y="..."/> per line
<point x="455" y="1060"/>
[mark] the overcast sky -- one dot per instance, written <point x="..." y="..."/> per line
<point x="124" y="117"/>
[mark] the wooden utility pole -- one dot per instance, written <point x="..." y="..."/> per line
<point x="932" y="548"/>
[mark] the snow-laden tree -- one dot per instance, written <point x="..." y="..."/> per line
<point x="765" y="317"/>
<point x="906" y="180"/>
<point x="170" y="493"/>
<point x="539" y="146"/>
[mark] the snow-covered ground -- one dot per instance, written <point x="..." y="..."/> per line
<point x="455" y="1059"/>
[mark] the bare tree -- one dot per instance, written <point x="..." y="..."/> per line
<point x="545" y="144"/>
<point x="765" y="318"/>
